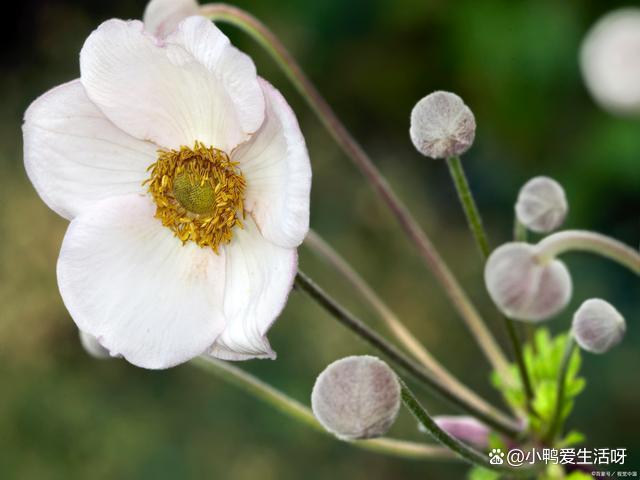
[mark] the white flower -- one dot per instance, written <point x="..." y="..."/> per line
<point x="522" y="287"/>
<point x="610" y="61"/>
<point x="442" y="125"/>
<point x="542" y="205"/>
<point x="597" y="326"/>
<point x="186" y="179"/>
<point x="356" y="397"/>
<point x="93" y="347"/>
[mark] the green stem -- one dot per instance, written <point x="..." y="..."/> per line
<point x="556" y="420"/>
<point x="469" y="205"/>
<point x="319" y="246"/>
<point x="480" y="235"/>
<point x="488" y="415"/>
<point x="299" y="412"/>
<point x="464" y="451"/>
<point x="426" y="249"/>
<point x="582" y="240"/>
<point x="520" y="233"/>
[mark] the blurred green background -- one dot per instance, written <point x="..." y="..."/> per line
<point x="66" y="415"/>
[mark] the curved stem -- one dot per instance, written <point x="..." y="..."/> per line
<point x="299" y="412"/>
<point x="458" y="297"/>
<point x="489" y="416"/>
<point x="556" y="420"/>
<point x="318" y="245"/>
<point x="461" y="449"/>
<point x="582" y="240"/>
<point x="469" y="205"/>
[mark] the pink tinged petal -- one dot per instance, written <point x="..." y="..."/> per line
<point x="128" y="282"/>
<point x="276" y="164"/>
<point x="259" y="278"/>
<point x="75" y="156"/>
<point x="161" y="17"/>
<point x="194" y="85"/>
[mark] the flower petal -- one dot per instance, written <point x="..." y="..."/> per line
<point x="276" y="164"/>
<point x="75" y="156"/>
<point x="161" y="17"/>
<point x="259" y="278"/>
<point x="126" y="280"/>
<point x="194" y="85"/>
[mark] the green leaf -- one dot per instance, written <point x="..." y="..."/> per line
<point x="480" y="473"/>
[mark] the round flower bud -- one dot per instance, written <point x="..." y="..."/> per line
<point x="466" y="429"/>
<point x="598" y="326"/>
<point x="610" y="61"/>
<point x="442" y="125"/>
<point x="356" y="397"/>
<point x="522" y="287"/>
<point x="542" y="205"/>
<point x="92" y="347"/>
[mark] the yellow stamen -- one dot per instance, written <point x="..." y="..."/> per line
<point x="199" y="193"/>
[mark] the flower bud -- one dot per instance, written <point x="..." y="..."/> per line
<point x="610" y="61"/>
<point x="466" y="429"/>
<point x="522" y="287"/>
<point x="442" y="125"/>
<point x="598" y="326"/>
<point x="356" y="397"/>
<point x="92" y="347"/>
<point x="542" y="205"/>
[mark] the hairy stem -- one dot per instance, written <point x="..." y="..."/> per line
<point x="433" y="260"/>
<point x="489" y="416"/>
<point x="318" y="245"/>
<point x="582" y="240"/>
<point x="481" y="238"/>
<point x="469" y="205"/>
<point x="303" y="414"/>
<point x="464" y="451"/>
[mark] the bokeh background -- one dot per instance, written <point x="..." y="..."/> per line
<point x="66" y="415"/>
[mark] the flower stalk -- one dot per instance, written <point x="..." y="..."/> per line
<point x="433" y="260"/>
<point x="303" y="414"/>
<point x="479" y="234"/>
<point x="582" y="240"/>
<point x="319" y="246"/>
<point x="489" y="416"/>
<point x="461" y="449"/>
<point x="469" y="205"/>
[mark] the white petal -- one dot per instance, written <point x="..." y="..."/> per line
<point x="93" y="347"/>
<point x="126" y="280"/>
<point x="161" y="17"/>
<point x="258" y="281"/>
<point x="191" y="86"/>
<point x="75" y="156"/>
<point x="275" y="163"/>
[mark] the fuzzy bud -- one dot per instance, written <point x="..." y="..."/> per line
<point x="522" y="287"/>
<point x="466" y="429"/>
<point x="542" y="205"/>
<point x="356" y="397"/>
<point x="442" y="126"/>
<point x="610" y="61"/>
<point x="598" y="326"/>
<point x="92" y="347"/>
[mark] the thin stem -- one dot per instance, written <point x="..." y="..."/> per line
<point x="301" y="413"/>
<point x="464" y="451"/>
<point x="489" y="416"/>
<point x="318" y="245"/>
<point x="520" y="233"/>
<point x="469" y="205"/>
<point x="433" y="260"/>
<point x="582" y="240"/>
<point x="480" y="235"/>
<point x="556" y="420"/>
